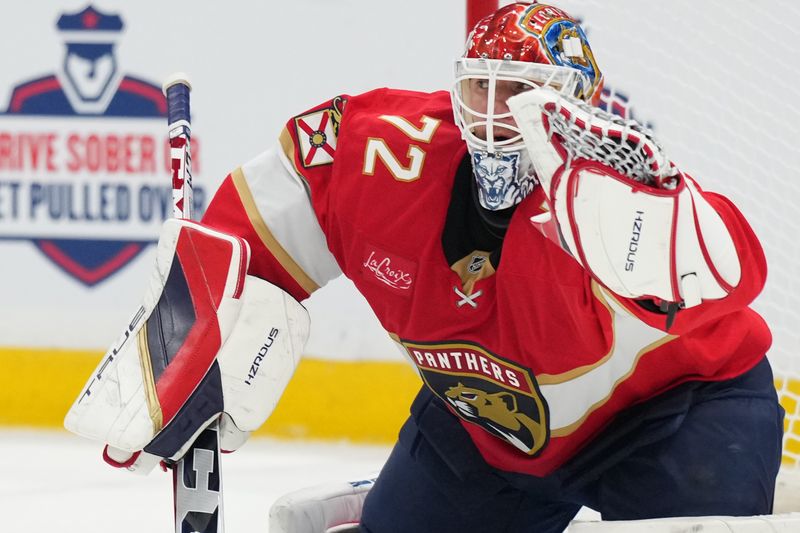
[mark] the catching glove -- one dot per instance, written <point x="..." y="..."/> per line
<point x="635" y="222"/>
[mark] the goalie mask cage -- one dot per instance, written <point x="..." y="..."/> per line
<point x="718" y="82"/>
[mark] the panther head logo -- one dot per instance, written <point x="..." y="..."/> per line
<point x="498" y="413"/>
<point x="496" y="176"/>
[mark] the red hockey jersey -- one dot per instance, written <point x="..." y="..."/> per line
<point x="533" y="356"/>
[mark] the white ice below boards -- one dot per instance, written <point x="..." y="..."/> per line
<point x="54" y="481"/>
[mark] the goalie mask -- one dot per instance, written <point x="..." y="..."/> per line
<point x="520" y="47"/>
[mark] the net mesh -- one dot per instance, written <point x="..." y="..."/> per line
<point x="788" y="385"/>
<point x="622" y="144"/>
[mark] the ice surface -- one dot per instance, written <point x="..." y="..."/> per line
<point x="53" y="481"/>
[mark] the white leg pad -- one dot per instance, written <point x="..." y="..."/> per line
<point x="777" y="523"/>
<point x="329" y="508"/>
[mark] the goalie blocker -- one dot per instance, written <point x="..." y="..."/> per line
<point x="207" y="339"/>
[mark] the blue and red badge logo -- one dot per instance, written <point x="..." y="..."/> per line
<point x="84" y="160"/>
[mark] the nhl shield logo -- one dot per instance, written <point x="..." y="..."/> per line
<point x="89" y="191"/>
<point x="476" y="263"/>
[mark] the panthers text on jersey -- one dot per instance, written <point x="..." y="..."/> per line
<point x="533" y="355"/>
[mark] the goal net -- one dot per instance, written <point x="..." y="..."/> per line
<point x="718" y="82"/>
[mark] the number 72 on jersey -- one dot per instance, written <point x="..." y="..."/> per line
<point x="378" y="149"/>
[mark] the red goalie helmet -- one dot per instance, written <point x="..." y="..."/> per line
<point x="536" y="33"/>
<point x="521" y="46"/>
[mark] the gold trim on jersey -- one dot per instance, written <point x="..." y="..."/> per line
<point x="603" y="297"/>
<point x="471" y="268"/>
<point x="567" y="430"/>
<point x="148" y="381"/>
<point x="288" y="147"/>
<point x="267" y="238"/>
<point x="554" y="379"/>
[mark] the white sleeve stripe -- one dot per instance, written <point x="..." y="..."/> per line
<point x="277" y="203"/>
<point x="573" y="397"/>
<point x="266" y="236"/>
<point x="287" y="158"/>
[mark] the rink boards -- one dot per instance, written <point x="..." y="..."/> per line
<point x="359" y="401"/>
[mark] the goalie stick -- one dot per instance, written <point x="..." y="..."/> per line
<point x="197" y="479"/>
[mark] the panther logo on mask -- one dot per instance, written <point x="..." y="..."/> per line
<point x="496" y="175"/>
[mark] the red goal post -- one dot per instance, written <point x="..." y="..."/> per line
<point x="477" y="9"/>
